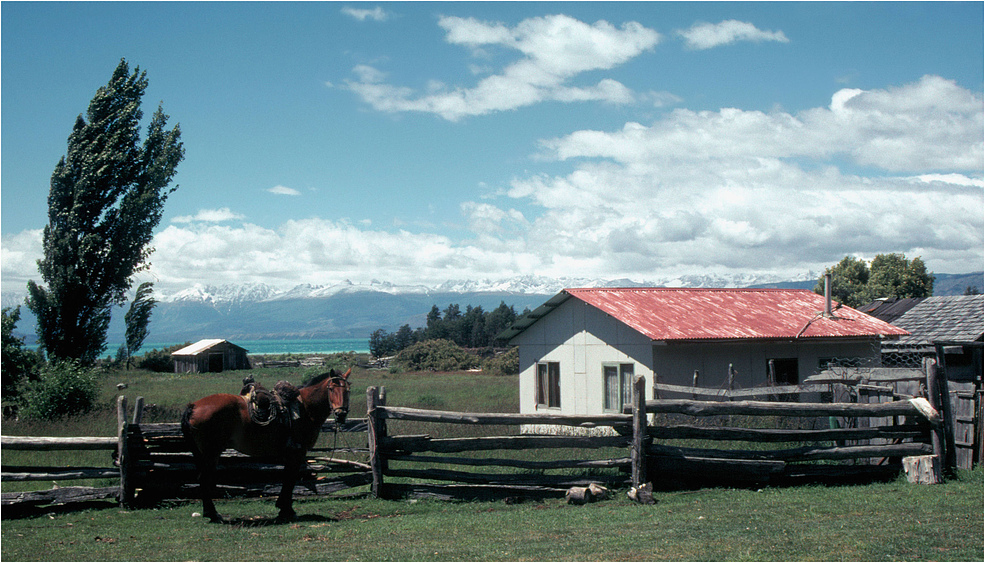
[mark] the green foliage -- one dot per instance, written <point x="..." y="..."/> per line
<point x="64" y="388"/>
<point x="436" y="355"/>
<point x="137" y="319"/>
<point x="473" y="329"/>
<point x="106" y="197"/>
<point x="507" y="363"/>
<point x="160" y="360"/>
<point x="18" y="363"/>
<point x="855" y="283"/>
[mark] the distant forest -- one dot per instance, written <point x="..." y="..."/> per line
<point x="474" y="328"/>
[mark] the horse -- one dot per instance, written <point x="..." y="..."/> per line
<point x="217" y="422"/>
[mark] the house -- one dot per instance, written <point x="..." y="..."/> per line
<point x="210" y="355"/>
<point x="580" y="351"/>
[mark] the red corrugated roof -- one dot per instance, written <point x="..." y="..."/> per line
<point x="673" y="314"/>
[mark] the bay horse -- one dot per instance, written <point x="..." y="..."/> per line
<point x="217" y="422"/>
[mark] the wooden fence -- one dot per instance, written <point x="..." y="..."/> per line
<point x="152" y="461"/>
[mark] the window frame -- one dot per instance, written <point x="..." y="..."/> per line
<point x="548" y="385"/>
<point x="625" y="373"/>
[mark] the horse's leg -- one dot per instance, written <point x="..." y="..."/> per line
<point x="292" y="467"/>
<point x="207" y="468"/>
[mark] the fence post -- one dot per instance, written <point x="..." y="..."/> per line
<point x="375" y="429"/>
<point x="638" y="452"/>
<point x="123" y="452"/>
<point x="939" y="397"/>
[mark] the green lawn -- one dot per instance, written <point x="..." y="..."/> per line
<point x="892" y="521"/>
<point x="883" y="522"/>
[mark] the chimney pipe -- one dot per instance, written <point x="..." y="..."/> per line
<point x="827" y="295"/>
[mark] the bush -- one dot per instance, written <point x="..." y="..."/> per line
<point x="64" y="388"/>
<point x="160" y="360"/>
<point x="436" y="355"/>
<point x="507" y="363"/>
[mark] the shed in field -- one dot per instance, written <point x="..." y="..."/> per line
<point x="210" y="355"/>
<point x="580" y="351"/>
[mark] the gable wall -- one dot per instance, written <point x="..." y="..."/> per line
<point x="580" y="338"/>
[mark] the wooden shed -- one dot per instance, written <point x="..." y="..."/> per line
<point x="210" y="355"/>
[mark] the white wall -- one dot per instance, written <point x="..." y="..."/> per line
<point x="580" y="338"/>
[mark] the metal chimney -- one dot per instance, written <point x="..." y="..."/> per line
<point x="827" y="295"/>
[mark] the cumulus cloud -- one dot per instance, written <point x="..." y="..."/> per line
<point x="19" y="254"/>
<point x="708" y="35"/>
<point x="754" y="191"/>
<point x="553" y="49"/>
<point x="209" y="216"/>
<point x="362" y="14"/>
<point x="283" y="190"/>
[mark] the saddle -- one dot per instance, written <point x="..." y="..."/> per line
<point x="279" y="406"/>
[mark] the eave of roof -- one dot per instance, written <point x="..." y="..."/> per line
<point x="203" y="345"/>
<point x="683" y="315"/>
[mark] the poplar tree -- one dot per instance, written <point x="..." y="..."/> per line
<point x="137" y="319"/>
<point x="106" y="197"/>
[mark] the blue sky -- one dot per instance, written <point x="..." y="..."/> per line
<point x="421" y="142"/>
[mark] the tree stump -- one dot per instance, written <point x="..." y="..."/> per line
<point x="584" y="495"/>
<point x="923" y="469"/>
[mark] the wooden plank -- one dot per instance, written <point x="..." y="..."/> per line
<point x="637" y="451"/>
<point x="432" y="474"/>
<point x="763" y="408"/>
<point x="689" y="432"/>
<point x="48" y="443"/>
<point x="61" y="495"/>
<point x="421" y="415"/>
<point x="521" y="464"/>
<point x="57" y="473"/>
<point x="806" y="453"/>
<point x="449" y="445"/>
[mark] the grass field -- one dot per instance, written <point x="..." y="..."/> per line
<point x="892" y="521"/>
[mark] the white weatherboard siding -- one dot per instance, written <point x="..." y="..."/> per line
<point x="581" y="339"/>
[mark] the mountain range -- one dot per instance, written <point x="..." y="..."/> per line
<point x="351" y="310"/>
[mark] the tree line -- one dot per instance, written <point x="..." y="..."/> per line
<point x="475" y="328"/>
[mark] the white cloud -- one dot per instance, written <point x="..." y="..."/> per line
<point x="209" y="216"/>
<point x="707" y="35"/>
<point x="19" y="254"/>
<point x="283" y="190"/>
<point x="754" y="191"/>
<point x="376" y="14"/>
<point x="554" y="50"/>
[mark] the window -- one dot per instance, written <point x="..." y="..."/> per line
<point x="618" y="381"/>
<point x="549" y="384"/>
<point x="785" y="370"/>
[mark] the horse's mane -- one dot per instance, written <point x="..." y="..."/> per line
<point x="319" y="378"/>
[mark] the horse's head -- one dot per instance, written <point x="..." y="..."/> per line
<point x="327" y="395"/>
<point x="338" y="395"/>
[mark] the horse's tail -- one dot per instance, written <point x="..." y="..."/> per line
<point x="186" y="427"/>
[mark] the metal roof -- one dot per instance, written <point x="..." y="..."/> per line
<point x="680" y="314"/>
<point x="891" y="308"/>
<point x="957" y="318"/>
<point x="201" y="346"/>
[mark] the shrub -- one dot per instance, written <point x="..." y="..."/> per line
<point x="507" y="363"/>
<point x="64" y="388"/>
<point x="160" y="360"/>
<point x="436" y="355"/>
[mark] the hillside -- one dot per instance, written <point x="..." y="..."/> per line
<point x="347" y="310"/>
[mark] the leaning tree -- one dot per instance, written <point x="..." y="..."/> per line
<point x="106" y="197"/>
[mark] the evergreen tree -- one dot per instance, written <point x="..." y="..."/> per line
<point x="106" y="197"/>
<point x="137" y="319"/>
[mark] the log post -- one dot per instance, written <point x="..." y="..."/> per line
<point x="138" y="411"/>
<point x="126" y="495"/>
<point x="374" y="429"/>
<point x="638" y="451"/>
<point x="937" y="439"/>
<point x="923" y="469"/>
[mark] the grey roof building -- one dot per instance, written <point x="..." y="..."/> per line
<point x="948" y="318"/>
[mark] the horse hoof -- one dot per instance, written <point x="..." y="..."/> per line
<point x="216" y="519"/>
<point x="287" y="516"/>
